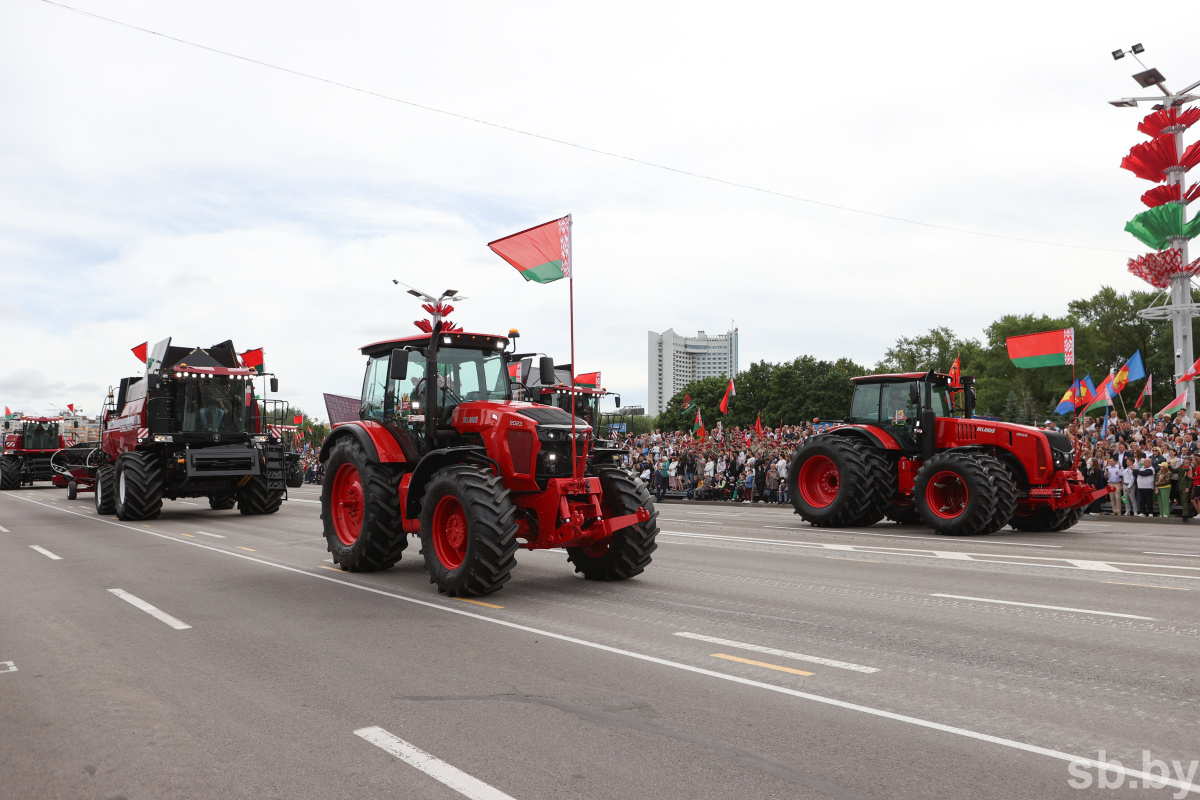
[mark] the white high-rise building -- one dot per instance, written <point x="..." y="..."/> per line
<point x="674" y="361"/>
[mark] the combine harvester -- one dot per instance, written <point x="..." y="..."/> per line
<point x="440" y="449"/>
<point x="27" y="452"/>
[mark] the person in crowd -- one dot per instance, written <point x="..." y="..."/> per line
<point x="1116" y="485"/>
<point x="748" y="482"/>
<point x="1162" y="484"/>
<point x="1144" y="474"/>
<point x="1129" y="488"/>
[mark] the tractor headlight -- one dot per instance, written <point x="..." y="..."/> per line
<point x="259" y="439"/>
<point x="164" y="438"/>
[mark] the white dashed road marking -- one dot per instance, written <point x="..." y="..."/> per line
<point x="1036" y="605"/>
<point x="45" y="552"/>
<point x="829" y="662"/>
<point x="435" y="768"/>
<point x="138" y="602"/>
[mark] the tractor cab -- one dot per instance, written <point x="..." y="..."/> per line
<point x="896" y="403"/>
<point x="40" y="434"/>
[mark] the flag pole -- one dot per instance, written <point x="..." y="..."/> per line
<point x="1075" y="414"/>
<point x="571" y="291"/>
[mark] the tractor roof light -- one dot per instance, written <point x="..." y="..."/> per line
<point x="1138" y="49"/>
<point x="1118" y="55"/>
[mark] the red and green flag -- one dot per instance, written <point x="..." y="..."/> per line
<point x="514" y="371"/>
<point x="687" y="402"/>
<point x="1147" y="392"/>
<point x="140" y="352"/>
<point x="589" y="380"/>
<point x="542" y="253"/>
<point x="1049" y="349"/>
<point x="698" y="431"/>
<point x="1178" y="404"/>
<point x="1104" y="395"/>
<point x="730" y="391"/>
<point x="296" y="420"/>
<point x="253" y="359"/>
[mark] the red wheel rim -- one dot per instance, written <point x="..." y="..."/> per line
<point x="347" y="501"/>
<point x="450" y="532"/>
<point x="946" y="494"/>
<point x="818" y="481"/>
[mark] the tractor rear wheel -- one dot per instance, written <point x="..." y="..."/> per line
<point x="1040" y="521"/>
<point x="627" y="553"/>
<point x="10" y="473"/>
<point x="360" y="510"/>
<point x="1005" y="491"/>
<point x="222" y="502"/>
<point x="836" y="482"/>
<point x="955" y="495"/>
<point x="140" y="482"/>
<point x="106" y="502"/>
<point x="253" y="497"/>
<point x="468" y="531"/>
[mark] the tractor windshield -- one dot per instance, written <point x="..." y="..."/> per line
<point x="40" y="436"/>
<point x="879" y="403"/>
<point x="586" y="405"/>
<point x="214" y="404"/>
<point x="463" y="375"/>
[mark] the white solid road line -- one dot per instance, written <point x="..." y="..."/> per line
<point x="138" y="602"/>
<point x="905" y="536"/>
<point x="724" y="676"/>
<point x="46" y="552"/>
<point x="435" y="768"/>
<point x="214" y="535"/>
<point x="1036" y="605"/>
<point x="782" y="653"/>
<point x="693" y="521"/>
<point x="4" y="529"/>
<point x="1148" y="553"/>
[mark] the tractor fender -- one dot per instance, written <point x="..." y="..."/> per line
<point x="435" y="460"/>
<point x="379" y="443"/>
<point x="868" y="433"/>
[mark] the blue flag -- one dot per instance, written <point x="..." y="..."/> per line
<point x="1137" y="370"/>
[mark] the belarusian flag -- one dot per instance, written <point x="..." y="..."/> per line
<point x="1178" y="404"/>
<point x="1147" y="391"/>
<point x="296" y="420"/>
<point x="253" y="359"/>
<point x="7" y="412"/>
<point x="687" y="402"/>
<point x="1104" y="393"/>
<point x="1049" y="349"/>
<point x="514" y="371"/>
<point x="1190" y="374"/>
<point x="590" y="380"/>
<point x="140" y="352"/>
<point x="729" y="392"/>
<point x="542" y="253"/>
<point x="698" y="427"/>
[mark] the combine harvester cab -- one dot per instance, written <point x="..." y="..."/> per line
<point x="902" y="454"/>
<point x="440" y="449"/>
<point x="28" y="450"/>
<point x="191" y="426"/>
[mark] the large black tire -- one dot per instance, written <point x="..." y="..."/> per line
<point x="628" y="552"/>
<point x="955" y="494"/>
<point x="837" y="482"/>
<point x="904" y="515"/>
<point x="361" y="512"/>
<point x="105" y="499"/>
<point x="1005" y="487"/>
<point x="1040" y="521"/>
<point x="10" y="473"/>
<point x="253" y="497"/>
<point x="222" y="502"/>
<point x="139" y="486"/>
<point x="72" y="490"/>
<point x="293" y="475"/>
<point x="468" y="531"/>
<point x="1069" y="519"/>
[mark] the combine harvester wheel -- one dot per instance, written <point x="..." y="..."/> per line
<point x="139" y="487"/>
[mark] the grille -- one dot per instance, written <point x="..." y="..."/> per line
<point x="224" y="464"/>
<point x="520" y="447"/>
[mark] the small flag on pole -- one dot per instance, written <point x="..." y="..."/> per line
<point x="1147" y="391"/>
<point x="1178" y="404"/>
<point x="253" y="359"/>
<point x="1049" y="349"/>
<point x="1190" y="374"/>
<point x="139" y="352"/>
<point x="1133" y="370"/>
<point x="698" y="427"/>
<point x="730" y="391"/>
<point x="541" y="253"/>
<point x="589" y="380"/>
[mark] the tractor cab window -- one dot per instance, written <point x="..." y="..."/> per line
<point x="467" y="375"/>
<point x="210" y="404"/>
<point x="865" y="406"/>
<point x="40" y="436"/>
<point x="394" y="401"/>
<point x="895" y="404"/>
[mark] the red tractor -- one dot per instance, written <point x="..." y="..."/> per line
<point x="441" y="450"/>
<point x="189" y="427"/>
<point x="901" y="454"/>
<point x="28" y="450"/>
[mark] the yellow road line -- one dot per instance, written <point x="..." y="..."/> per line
<point x="187" y="535"/>
<point x="869" y="561"/>
<point x="251" y="549"/>
<point x="335" y="569"/>
<point x="1148" y="586"/>
<point x="477" y="602"/>
<point x="761" y="664"/>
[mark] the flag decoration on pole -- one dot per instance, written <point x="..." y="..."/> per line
<point x="1133" y="370"/>
<point x="730" y="391"/>
<point x="71" y="407"/>
<point x="541" y="253"/>
<point x="1178" y="404"/>
<point x="296" y="420"/>
<point x="1104" y="395"/>
<point x="1147" y="391"/>
<point x="698" y="427"/>
<point x="140" y="351"/>
<point x="253" y="359"/>
<point x="1191" y="373"/>
<point x="514" y="371"/>
<point x="1049" y="349"/>
<point x="1081" y="394"/>
<point x="758" y="426"/>
<point x="7" y="412"/>
<point x="589" y="380"/>
<point x="687" y="402"/>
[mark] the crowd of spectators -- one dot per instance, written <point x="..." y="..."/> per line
<point x="729" y="464"/>
<point x="1149" y="465"/>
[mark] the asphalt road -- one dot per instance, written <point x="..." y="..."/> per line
<point x="211" y="655"/>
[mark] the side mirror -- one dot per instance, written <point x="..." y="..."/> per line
<point x="914" y="394"/>
<point x="398" y="365"/>
<point x="274" y="385"/>
<point x="546" y="371"/>
<point x="969" y="411"/>
<point x="76" y="423"/>
<point x="617" y="397"/>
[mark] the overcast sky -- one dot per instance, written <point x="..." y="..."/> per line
<point x="152" y="189"/>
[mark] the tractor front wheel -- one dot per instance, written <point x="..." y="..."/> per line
<point x="468" y="531"/>
<point x="1005" y="491"/>
<point x="836" y="482"/>
<point x="955" y="495"/>
<point x="105" y="499"/>
<point x="627" y="553"/>
<point x="293" y="475"/>
<point x="253" y="497"/>
<point x="222" y="502"/>
<point x="360" y="509"/>
<point x="140" y="482"/>
<point x="10" y="473"/>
